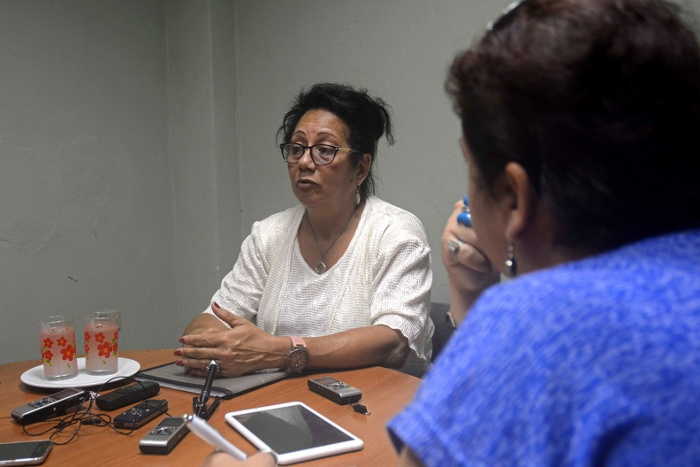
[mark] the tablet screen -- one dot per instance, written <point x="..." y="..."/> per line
<point x="291" y="428"/>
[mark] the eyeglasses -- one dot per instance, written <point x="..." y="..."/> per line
<point x="321" y="154"/>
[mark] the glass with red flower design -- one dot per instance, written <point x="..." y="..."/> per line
<point x="58" y="354"/>
<point x="101" y="342"/>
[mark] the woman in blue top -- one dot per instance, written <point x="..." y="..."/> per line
<point x="579" y="122"/>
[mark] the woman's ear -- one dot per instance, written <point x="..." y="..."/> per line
<point x="521" y="198"/>
<point x="363" y="168"/>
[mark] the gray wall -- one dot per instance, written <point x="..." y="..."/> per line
<point x="85" y="208"/>
<point x="137" y="140"/>
<point x="118" y="182"/>
<point x="200" y="82"/>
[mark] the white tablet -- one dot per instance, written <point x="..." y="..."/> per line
<point x="293" y="431"/>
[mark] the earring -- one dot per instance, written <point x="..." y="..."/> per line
<point x="511" y="263"/>
<point x="358" y="198"/>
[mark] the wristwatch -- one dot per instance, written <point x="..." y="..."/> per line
<point x="298" y="356"/>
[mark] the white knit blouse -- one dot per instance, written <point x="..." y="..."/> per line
<point x="384" y="277"/>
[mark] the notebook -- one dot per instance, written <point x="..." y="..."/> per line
<point x="172" y="376"/>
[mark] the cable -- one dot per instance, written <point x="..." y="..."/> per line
<point x="82" y="416"/>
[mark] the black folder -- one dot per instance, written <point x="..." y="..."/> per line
<point x="172" y="376"/>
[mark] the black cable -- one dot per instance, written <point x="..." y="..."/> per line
<point x="82" y="416"/>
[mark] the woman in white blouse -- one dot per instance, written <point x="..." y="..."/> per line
<point x="341" y="280"/>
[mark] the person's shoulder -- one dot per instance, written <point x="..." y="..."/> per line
<point x="275" y="225"/>
<point x="567" y="287"/>
<point x="625" y="269"/>
<point x="547" y="300"/>
<point x="643" y="270"/>
<point x="602" y="292"/>
<point x="386" y="217"/>
<point x="382" y="208"/>
<point x="280" y="218"/>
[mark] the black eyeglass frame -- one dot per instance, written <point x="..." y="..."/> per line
<point x="317" y="160"/>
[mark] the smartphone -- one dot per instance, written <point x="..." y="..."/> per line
<point x="25" y="452"/>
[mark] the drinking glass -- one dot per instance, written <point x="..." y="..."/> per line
<point x="101" y="341"/>
<point x="57" y="338"/>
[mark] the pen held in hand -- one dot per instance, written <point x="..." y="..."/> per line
<point x="208" y="433"/>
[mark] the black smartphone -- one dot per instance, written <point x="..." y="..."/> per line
<point x="25" y="452"/>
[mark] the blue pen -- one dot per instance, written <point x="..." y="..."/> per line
<point x="465" y="217"/>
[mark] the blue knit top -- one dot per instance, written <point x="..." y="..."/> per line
<point x="593" y="362"/>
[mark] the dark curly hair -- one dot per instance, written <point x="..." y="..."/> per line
<point x="367" y="119"/>
<point x="599" y="101"/>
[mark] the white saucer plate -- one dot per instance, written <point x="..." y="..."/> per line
<point x="35" y="376"/>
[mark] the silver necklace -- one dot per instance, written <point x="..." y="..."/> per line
<point x="322" y="267"/>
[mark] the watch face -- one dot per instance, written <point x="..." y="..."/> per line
<point x="298" y="358"/>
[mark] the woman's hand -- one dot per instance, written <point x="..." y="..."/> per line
<point x="469" y="271"/>
<point x="241" y="349"/>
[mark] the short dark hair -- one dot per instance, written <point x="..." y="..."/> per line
<point x="367" y="119"/>
<point x="599" y="101"/>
